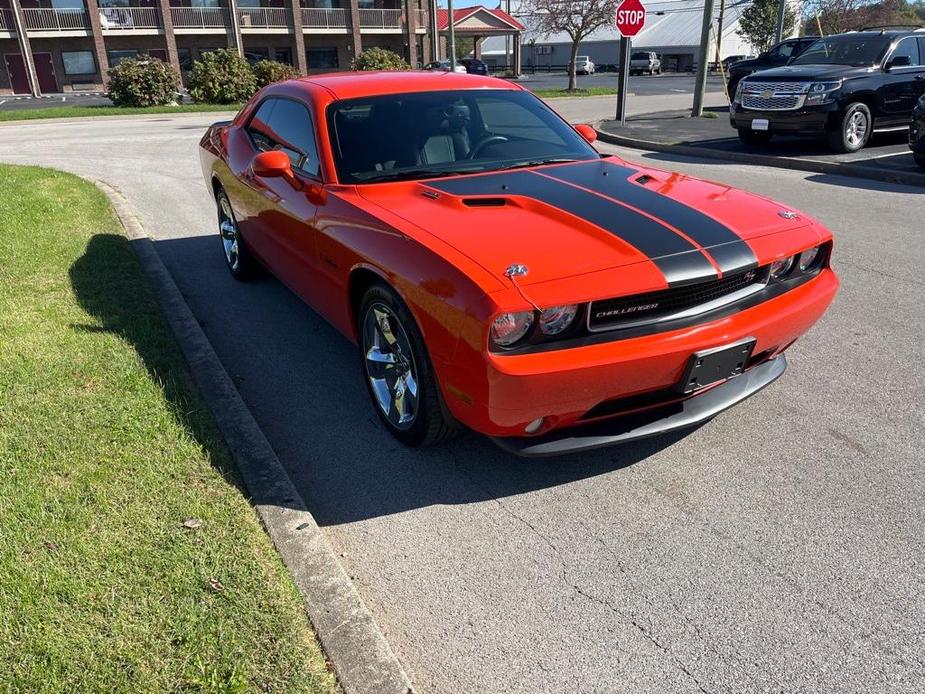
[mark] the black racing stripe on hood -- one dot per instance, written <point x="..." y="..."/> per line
<point x="726" y="247"/>
<point x="678" y="259"/>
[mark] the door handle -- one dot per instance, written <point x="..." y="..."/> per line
<point x="920" y="77"/>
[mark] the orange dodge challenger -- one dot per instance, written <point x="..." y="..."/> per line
<point x="498" y="273"/>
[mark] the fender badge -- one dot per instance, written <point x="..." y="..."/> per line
<point x="787" y="214"/>
<point x="516" y="270"/>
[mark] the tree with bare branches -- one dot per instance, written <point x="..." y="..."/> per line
<point x="575" y="18"/>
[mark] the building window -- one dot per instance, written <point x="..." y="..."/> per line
<point x="255" y="55"/>
<point x="185" y="58"/>
<point x="283" y="55"/>
<point x="116" y="57"/>
<point x="78" y="63"/>
<point x="325" y="58"/>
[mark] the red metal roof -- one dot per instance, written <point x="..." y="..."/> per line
<point x="466" y="12"/>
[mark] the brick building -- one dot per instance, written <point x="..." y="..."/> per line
<point x="51" y="46"/>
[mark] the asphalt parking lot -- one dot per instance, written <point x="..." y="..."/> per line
<point x="778" y="548"/>
<point x="643" y="85"/>
<point x="886" y="157"/>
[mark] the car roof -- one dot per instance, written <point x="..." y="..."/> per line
<point x="349" y="85"/>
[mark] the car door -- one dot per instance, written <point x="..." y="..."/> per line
<point x="903" y="71"/>
<point x="287" y="220"/>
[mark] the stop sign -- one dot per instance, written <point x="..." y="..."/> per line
<point x="631" y="16"/>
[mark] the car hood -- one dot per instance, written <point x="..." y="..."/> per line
<point x="809" y="72"/>
<point x="749" y="65"/>
<point x="574" y="219"/>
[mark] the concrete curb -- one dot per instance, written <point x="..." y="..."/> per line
<point x="363" y="660"/>
<point x="811" y="165"/>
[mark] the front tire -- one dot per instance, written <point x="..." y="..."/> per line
<point x="754" y="137"/>
<point x="853" y="129"/>
<point x="241" y="264"/>
<point x="398" y="373"/>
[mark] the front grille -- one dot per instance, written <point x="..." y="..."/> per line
<point x="639" y="309"/>
<point x="774" y="96"/>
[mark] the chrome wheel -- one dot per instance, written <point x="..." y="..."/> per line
<point x="856" y="129"/>
<point x="390" y="366"/>
<point x="229" y="232"/>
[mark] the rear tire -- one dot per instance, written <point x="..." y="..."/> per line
<point x="754" y="137"/>
<point x="238" y="259"/>
<point x="398" y="373"/>
<point x="853" y="129"/>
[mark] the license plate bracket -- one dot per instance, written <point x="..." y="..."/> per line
<point x="714" y="365"/>
<point x="760" y="124"/>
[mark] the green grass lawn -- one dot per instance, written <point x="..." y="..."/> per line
<point x="130" y="561"/>
<point x="101" y="110"/>
<point x="590" y="91"/>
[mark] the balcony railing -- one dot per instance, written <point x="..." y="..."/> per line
<point x="6" y="20"/>
<point x="198" y="17"/>
<point x="263" y="17"/>
<point x="49" y="19"/>
<point x="422" y="19"/>
<point x="128" y="18"/>
<point x="324" y="17"/>
<point x="380" y="19"/>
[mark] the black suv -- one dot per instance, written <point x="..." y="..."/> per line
<point x="843" y="86"/>
<point x="773" y="57"/>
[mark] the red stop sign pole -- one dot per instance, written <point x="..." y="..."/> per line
<point x="630" y="19"/>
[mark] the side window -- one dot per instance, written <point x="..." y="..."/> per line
<point x="510" y="119"/>
<point x="907" y="47"/>
<point x="259" y="127"/>
<point x="286" y="125"/>
<point x="292" y="129"/>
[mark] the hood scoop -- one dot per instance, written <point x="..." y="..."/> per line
<point x="484" y="202"/>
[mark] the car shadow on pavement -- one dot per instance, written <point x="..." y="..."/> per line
<point x="301" y="380"/>
<point x="110" y="285"/>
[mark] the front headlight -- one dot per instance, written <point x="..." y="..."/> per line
<point x="781" y="268"/>
<point x="508" y="328"/>
<point x="739" y="89"/>
<point x="810" y="259"/>
<point x="822" y="93"/>
<point x="556" y="319"/>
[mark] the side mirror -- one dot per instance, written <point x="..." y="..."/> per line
<point x="899" y="61"/>
<point x="586" y="131"/>
<point x="275" y="164"/>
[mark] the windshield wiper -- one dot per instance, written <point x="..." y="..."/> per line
<point x="413" y="173"/>
<point x="537" y="162"/>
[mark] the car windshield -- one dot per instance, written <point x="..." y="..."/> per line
<point x="639" y="56"/>
<point x="857" y="51"/>
<point x="443" y="133"/>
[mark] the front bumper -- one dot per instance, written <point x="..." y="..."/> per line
<point x="694" y="410"/>
<point x="500" y="395"/>
<point x="814" y="120"/>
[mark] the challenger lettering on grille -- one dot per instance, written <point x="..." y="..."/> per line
<point x="623" y="311"/>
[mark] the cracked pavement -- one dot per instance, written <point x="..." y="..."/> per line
<point x="778" y="548"/>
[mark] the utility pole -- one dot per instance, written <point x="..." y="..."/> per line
<point x="781" y="11"/>
<point x="452" y="42"/>
<point x="719" y="31"/>
<point x="700" y="83"/>
<point x="434" y="31"/>
<point x="507" y="39"/>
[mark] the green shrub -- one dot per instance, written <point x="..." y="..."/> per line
<point x="269" y="71"/>
<point x="379" y="59"/>
<point x="143" y="81"/>
<point x="222" y="77"/>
